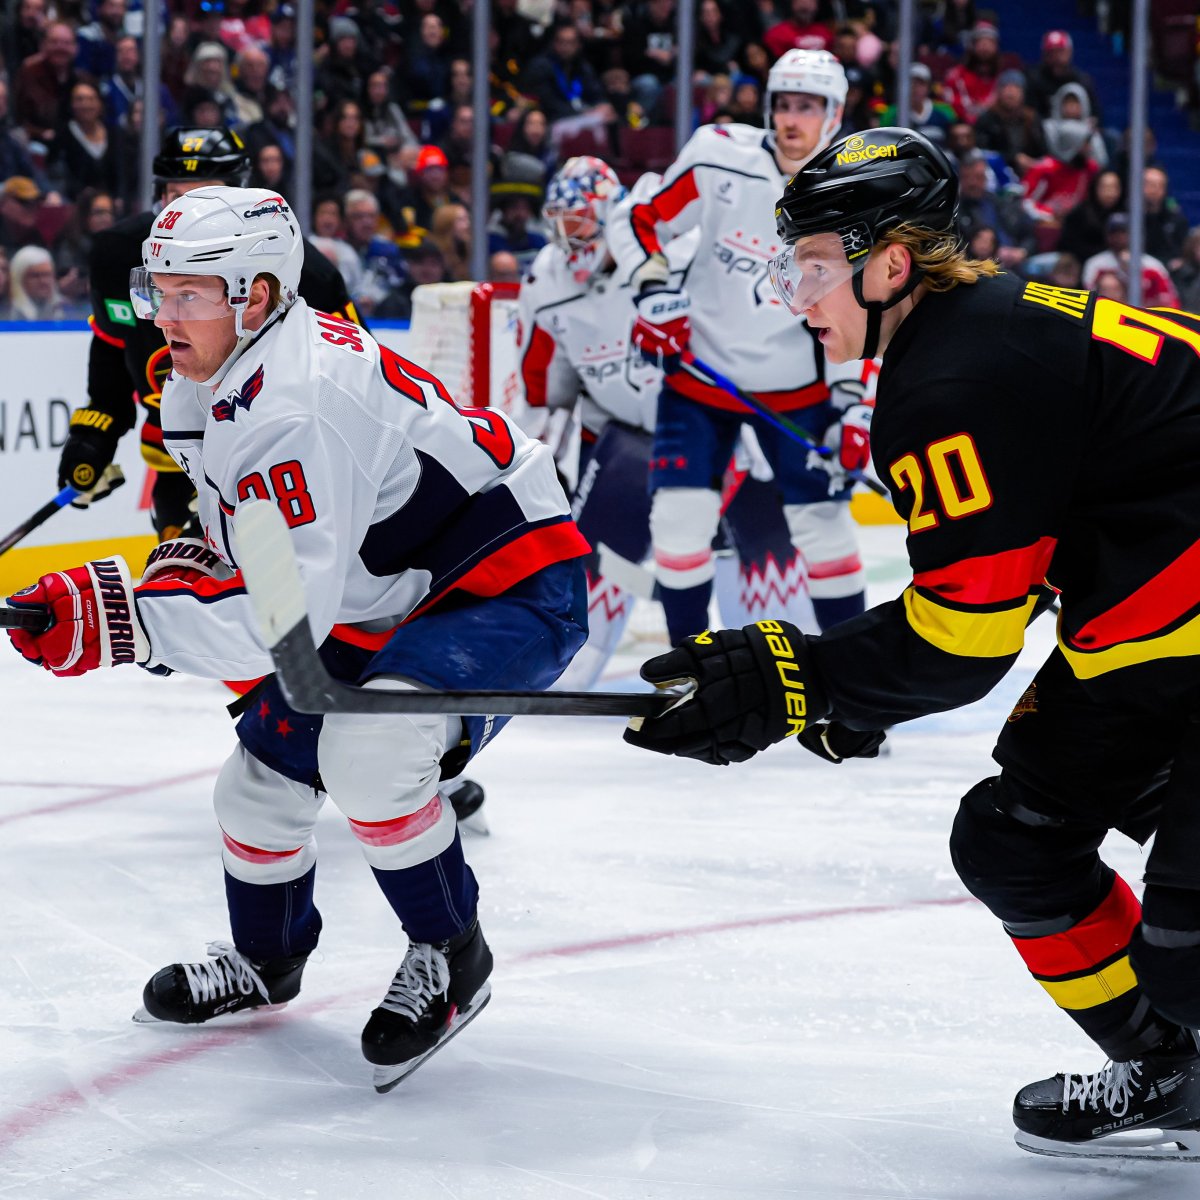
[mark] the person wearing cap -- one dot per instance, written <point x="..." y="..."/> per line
<point x="1158" y="290"/>
<point x="982" y="205"/>
<point x="20" y="199"/>
<point x="282" y="47"/>
<point x="342" y="75"/>
<point x="1034" y="438"/>
<point x="1009" y="126"/>
<point x="929" y="116"/>
<point x="970" y="86"/>
<point x="429" y="188"/>
<point x="1055" y="69"/>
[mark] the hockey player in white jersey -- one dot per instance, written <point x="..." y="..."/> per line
<point x="575" y="319"/>
<point x="726" y="181"/>
<point x="437" y="550"/>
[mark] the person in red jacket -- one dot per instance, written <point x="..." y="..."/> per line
<point x="971" y="86"/>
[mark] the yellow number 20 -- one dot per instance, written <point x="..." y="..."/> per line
<point x="960" y="491"/>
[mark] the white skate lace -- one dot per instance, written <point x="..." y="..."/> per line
<point x="229" y="973"/>
<point x="1113" y="1086"/>
<point x="423" y="974"/>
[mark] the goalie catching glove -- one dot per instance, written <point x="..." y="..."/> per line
<point x="753" y="687"/>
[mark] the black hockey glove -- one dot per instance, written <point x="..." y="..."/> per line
<point x="754" y="687"/>
<point x="89" y="449"/>
<point x="835" y="742"/>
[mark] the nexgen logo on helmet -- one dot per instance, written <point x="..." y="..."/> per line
<point x="856" y="152"/>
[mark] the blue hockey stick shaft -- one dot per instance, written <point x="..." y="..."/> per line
<point x="31" y="523"/>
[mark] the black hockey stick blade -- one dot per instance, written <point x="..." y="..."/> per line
<point x="35" y="618"/>
<point x="273" y="583"/>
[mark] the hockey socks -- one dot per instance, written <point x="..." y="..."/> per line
<point x="273" y="920"/>
<point x="434" y="900"/>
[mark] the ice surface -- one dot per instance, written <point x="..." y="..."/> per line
<point x="761" y="981"/>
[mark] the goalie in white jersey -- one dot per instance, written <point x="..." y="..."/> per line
<point x="726" y="182"/>
<point x="575" y="351"/>
<point x="437" y="550"/>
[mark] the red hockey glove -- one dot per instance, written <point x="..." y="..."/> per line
<point x="94" y="621"/>
<point x="663" y="328"/>
<point x="849" y="437"/>
<point x="754" y="687"/>
<point x="187" y="560"/>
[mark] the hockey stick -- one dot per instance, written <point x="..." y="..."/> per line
<point x="112" y="478"/>
<point x="35" y="618"/>
<point x="699" y="369"/>
<point x="277" y="594"/>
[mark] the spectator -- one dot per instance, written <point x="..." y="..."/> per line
<point x="755" y="63"/>
<point x="1055" y="69"/>
<point x="1157" y="287"/>
<point x="14" y="158"/>
<point x="530" y="143"/>
<point x="1084" y="225"/>
<point x="327" y="218"/>
<point x="270" y="169"/>
<point x="21" y="39"/>
<point x="516" y="39"/>
<point x="176" y="55"/>
<point x="430" y="188"/>
<point x="746" y="106"/>
<point x="1165" y="225"/>
<point x="1187" y="277"/>
<point x="979" y="206"/>
<point x="423" y="265"/>
<point x="1067" y="271"/>
<point x="1111" y="286"/>
<point x="1071" y="104"/>
<point x="856" y="109"/>
<point x="514" y="209"/>
<point x="718" y="95"/>
<point x="251" y="68"/>
<point x="379" y="257"/>
<point x="125" y="85"/>
<point x="277" y="128"/>
<point x="1010" y="127"/>
<point x="44" y="82"/>
<point x="971" y="86"/>
<point x="458" y="146"/>
<point x="984" y="243"/>
<point x="82" y="155"/>
<point x="948" y="25"/>
<point x="20" y="199"/>
<point x="427" y="77"/>
<point x="282" y="48"/>
<point x="648" y="52"/>
<point x="343" y="151"/>
<point x="5" y="287"/>
<point x="94" y="211"/>
<point x="561" y="83"/>
<point x="440" y="111"/>
<point x="386" y="127"/>
<point x="1057" y="183"/>
<point x="341" y="76"/>
<point x="451" y="233"/>
<point x="343" y="257"/>
<point x="503" y="267"/>
<point x="802" y="31"/>
<point x="97" y="55"/>
<point x="208" y="81"/>
<point x="34" y="294"/>
<point x="929" y="116"/>
<point x="717" y="44"/>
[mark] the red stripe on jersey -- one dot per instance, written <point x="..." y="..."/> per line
<point x="1171" y="594"/>
<point x="534" y="366"/>
<point x="252" y="854"/>
<point x="110" y="338"/>
<point x="409" y="368"/>
<point x="360" y="637"/>
<point x="242" y="686"/>
<point x="1085" y="946"/>
<point x="833" y="567"/>
<point x="152" y="434"/>
<point x="665" y="206"/>
<point x="682" y="562"/>
<point x="398" y="829"/>
<point x="715" y="397"/>
<point x="991" y="578"/>
<point x="209" y="588"/>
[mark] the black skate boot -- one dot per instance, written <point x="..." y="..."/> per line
<point x="1148" y="1108"/>
<point x="438" y="989"/>
<point x="189" y="993"/>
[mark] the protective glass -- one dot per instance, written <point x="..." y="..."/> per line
<point x="811" y="269"/>
<point x="206" y="302"/>
<point x="572" y="229"/>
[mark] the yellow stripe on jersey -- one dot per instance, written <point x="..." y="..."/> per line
<point x="1086" y="992"/>
<point x="1179" y="643"/>
<point x="969" y="634"/>
<point x="160" y="460"/>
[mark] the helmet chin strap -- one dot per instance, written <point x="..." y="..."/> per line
<point x="876" y="308"/>
<point x="244" y="341"/>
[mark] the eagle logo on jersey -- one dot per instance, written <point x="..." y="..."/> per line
<point x="243" y="397"/>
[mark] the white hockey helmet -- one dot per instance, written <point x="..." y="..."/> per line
<point x="233" y="234"/>
<point x="816" y="72"/>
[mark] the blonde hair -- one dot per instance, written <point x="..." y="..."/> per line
<point x="939" y="256"/>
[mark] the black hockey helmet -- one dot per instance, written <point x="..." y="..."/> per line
<point x="217" y="153"/>
<point x="865" y="184"/>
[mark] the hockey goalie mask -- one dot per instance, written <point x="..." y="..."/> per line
<point x="806" y="272"/>
<point x="579" y="200"/>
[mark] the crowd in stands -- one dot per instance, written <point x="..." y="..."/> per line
<point x="1043" y="178"/>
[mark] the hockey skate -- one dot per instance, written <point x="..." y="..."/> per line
<point x="438" y="989"/>
<point x="466" y="797"/>
<point x="1148" y="1108"/>
<point x="190" y="993"/>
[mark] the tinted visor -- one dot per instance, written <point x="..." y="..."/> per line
<point x="806" y="272"/>
<point x="205" y="301"/>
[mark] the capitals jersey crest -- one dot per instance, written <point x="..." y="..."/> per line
<point x="243" y="397"/>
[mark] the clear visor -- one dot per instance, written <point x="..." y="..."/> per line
<point x="572" y="229"/>
<point x="808" y="271"/>
<point x="182" y="300"/>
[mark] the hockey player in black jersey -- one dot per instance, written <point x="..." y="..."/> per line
<point x="128" y="359"/>
<point x="1031" y="435"/>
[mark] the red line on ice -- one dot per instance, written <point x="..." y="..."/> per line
<point x="38" y="1113"/>
<point x="113" y="793"/>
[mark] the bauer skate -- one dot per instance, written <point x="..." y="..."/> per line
<point x="438" y="989"/>
<point x="191" y="993"/>
<point x="1148" y="1108"/>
